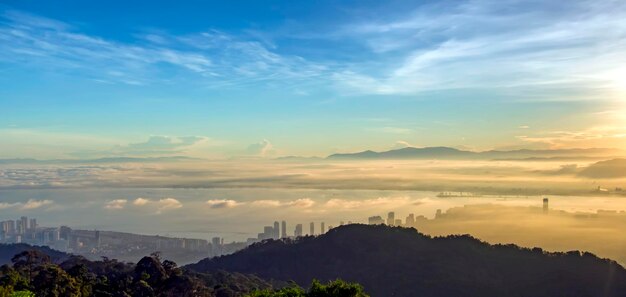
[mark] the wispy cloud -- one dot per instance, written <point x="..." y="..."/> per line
<point x="516" y="49"/>
<point x="597" y="136"/>
<point x="401" y="144"/>
<point x="262" y="148"/>
<point x="392" y="130"/>
<point x="300" y="203"/>
<point x="211" y="58"/>
<point x="550" y="47"/>
<point x="158" y="145"/>
<point x="28" y="205"/>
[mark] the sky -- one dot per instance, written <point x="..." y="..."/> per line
<point x="222" y="79"/>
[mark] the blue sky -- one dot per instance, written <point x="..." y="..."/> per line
<point x="268" y="78"/>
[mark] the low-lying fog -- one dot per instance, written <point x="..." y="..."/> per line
<point x="489" y="177"/>
<point x="235" y="199"/>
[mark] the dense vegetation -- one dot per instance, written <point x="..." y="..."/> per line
<point x="337" y="288"/>
<point x="390" y="261"/>
<point x="33" y="272"/>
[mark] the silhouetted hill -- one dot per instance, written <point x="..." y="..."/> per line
<point x="447" y="153"/>
<point x="390" y="261"/>
<point x="7" y="251"/>
<point x="615" y="168"/>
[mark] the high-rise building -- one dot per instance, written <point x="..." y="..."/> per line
<point x="97" y="239"/>
<point x="5" y="226"/>
<point x="24" y="224"/>
<point x="33" y="225"/>
<point x="11" y="227"/>
<point x="545" y="205"/>
<point x="398" y="222"/>
<point x="283" y="229"/>
<point x="438" y="213"/>
<point x="298" y="231"/>
<point x="312" y="228"/>
<point x="19" y="229"/>
<point x="276" y="234"/>
<point x="216" y="246"/>
<point x="65" y="233"/>
<point x="391" y="218"/>
<point x="268" y="232"/>
<point x="322" y="228"/>
<point x="375" y="220"/>
<point x="56" y="235"/>
<point x="3" y="230"/>
<point x="410" y="220"/>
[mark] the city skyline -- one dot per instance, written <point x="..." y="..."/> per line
<point x="487" y="221"/>
<point x="23" y="229"/>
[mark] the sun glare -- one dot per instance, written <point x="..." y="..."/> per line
<point x="618" y="82"/>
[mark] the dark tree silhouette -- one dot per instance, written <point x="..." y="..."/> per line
<point x="151" y="277"/>
<point x="337" y="288"/>
<point x="28" y="261"/>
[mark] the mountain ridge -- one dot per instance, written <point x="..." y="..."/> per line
<point x="443" y="152"/>
<point x="394" y="261"/>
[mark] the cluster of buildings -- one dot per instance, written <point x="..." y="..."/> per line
<point x="107" y="243"/>
<point x="279" y="230"/>
<point x="410" y="221"/>
<point x="28" y="231"/>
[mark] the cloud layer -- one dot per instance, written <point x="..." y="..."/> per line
<point x="157" y="206"/>
<point x="31" y="204"/>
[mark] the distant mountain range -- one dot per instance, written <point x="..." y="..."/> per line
<point x="448" y="153"/>
<point x="615" y="168"/>
<point x="394" y="261"/>
<point x="407" y="153"/>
